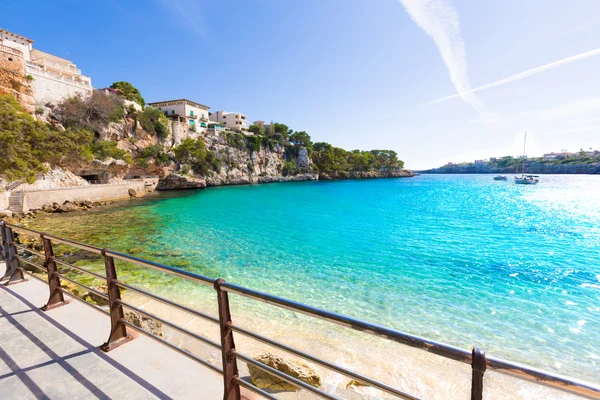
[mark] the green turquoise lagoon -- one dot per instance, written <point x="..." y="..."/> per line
<point x="461" y="259"/>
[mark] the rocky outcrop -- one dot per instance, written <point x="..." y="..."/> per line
<point x="530" y="168"/>
<point x="296" y="369"/>
<point x="400" y="173"/>
<point x="177" y="181"/>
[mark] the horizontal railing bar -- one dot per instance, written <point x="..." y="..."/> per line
<point x="82" y="246"/>
<point x="431" y="346"/>
<point x="95" y="307"/>
<point x="68" y="265"/>
<point x="255" y="389"/>
<point x="168" y="302"/>
<point x="547" y="379"/>
<point x="161" y="267"/>
<point x="32" y="251"/>
<point x="97" y="293"/>
<point x="296" y="382"/>
<point x="172" y="325"/>
<point x="326" y="364"/>
<point x="20" y="227"/>
<point x="32" y="264"/>
<point x="172" y="346"/>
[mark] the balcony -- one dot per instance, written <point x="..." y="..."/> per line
<point x="11" y="50"/>
<point x="62" y="68"/>
<point x="191" y="116"/>
<point x="205" y="119"/>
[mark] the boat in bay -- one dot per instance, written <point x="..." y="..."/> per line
<point x="525" y="179"/>
<point x="500" y="178"/>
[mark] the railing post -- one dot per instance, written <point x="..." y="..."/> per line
<point x="118" y="330"/>
<point x="13" y="267"/>
<point x="56" y="295"/>
<point x="478" y="365"/>
<point x="230" y="370"/>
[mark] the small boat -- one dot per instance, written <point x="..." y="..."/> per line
<point x="500" y="178"/>
<point x="527" y="180"/>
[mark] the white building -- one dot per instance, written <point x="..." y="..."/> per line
<point x="183" y="111"/>
<point x="54" y="78"/>
<point x="234" y="121"/>
<point x="481" y="161"/>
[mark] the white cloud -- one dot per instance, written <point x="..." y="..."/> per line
<point x="439" y="20"/>
<point x="524" y="74"/>
<point x="188" y="13"/>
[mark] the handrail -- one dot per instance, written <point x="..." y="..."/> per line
<point x="232" y="382"/>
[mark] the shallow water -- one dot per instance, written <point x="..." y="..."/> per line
<point x="460" y="259"/>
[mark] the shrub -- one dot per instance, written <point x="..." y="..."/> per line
<point x="29" y="78"/>
<point x="93" y="113"/>
<point x="103" y="149"/>
<point x="26" y="144"/>
<point x="289" y="168"/>
<point x="235" y="140"/>
<point x="153" y="120"/>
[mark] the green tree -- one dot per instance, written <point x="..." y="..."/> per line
<point x="257" y="129"/>
<point x="301" y="139"/>
<point x="26" y="144"/>
<point x="153" y="120"/>
<point x="129" y="92"/>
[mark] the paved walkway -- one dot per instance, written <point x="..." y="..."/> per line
<point x="55" y="355"/>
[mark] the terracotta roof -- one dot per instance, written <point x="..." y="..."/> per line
<point x="14" y="34"/>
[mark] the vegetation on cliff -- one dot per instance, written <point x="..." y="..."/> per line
<point x="98" y="131"/>
<point x="26" y="144"/>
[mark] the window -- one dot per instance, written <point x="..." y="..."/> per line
<point x="192" y="122"/>
<point x="9" y="59"/>
<point x="191" y="113"/>
<point x="172" y="112"/>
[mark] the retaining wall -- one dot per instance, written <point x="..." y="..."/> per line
<point x="35" y="200"/>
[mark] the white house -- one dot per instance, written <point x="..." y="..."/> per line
<point x="234" y="121"/>
<point x="184" y="111"/>
<point x="481" y="161"/>
<point x="54" y="78"/>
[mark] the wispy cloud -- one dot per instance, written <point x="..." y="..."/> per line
<point x="522" y="75"/>
<point x="439" y="20"/>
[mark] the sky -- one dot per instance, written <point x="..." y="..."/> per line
<point x="434" y="80"/>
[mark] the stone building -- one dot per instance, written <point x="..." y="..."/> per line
<point x="51" y="78"/>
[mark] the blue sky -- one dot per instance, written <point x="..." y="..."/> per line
<point x="354" y="73"/>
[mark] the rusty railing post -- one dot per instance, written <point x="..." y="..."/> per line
<point x="230" y="370"/>
<point x="118" y="330"/>
<point x="13" y="267"/>
<point x="478" y="365"/>
<point x="56" y="295"/>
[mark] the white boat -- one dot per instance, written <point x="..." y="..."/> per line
<point x="500" y="178"/>
<point x="525" y="179"/>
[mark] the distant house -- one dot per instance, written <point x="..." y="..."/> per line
<point x="493" y="159"/>
<point x="481" y="161"/>
<point x="183" y="111"/>
<point x="54" y="78"/>
<point x="523" y="157"/>
<point x="234" y="121"/>
<point x="551" y="156"/>
<point x="215" y="128"/>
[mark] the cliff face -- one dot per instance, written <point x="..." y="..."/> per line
<point x="530" y="168"/>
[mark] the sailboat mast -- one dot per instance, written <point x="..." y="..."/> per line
<point x="524" y="144"/>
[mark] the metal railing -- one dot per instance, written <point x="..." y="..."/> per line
<point x="40" y="186"/>
<point x="231" y="381"/>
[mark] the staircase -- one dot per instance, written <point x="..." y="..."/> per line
<point x="15" y="202"/>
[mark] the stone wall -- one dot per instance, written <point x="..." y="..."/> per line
<point x="12" y="62"/>
<point x="13" y="81"/>
<point x="49" y="89"/>
<point x="35" y="200"/>
<point x="4" y="200"/>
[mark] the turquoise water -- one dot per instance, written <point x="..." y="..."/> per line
<point x="456" y="258"/>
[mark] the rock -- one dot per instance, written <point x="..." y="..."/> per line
<point x="94" y="298"/>
<point x="147" y="324"/>
<point x="67" y="207"/>
<point x="177" y="181"/>
<point x="302" y="160"/>
<point x="132" y="193"/>
<point x="6" y="213"/>
<point x="296" y="369"/>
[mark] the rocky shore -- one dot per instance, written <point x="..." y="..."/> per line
<point x="530" y="168"/>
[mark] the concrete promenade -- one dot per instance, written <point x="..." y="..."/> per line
<point x="56" y="355"/>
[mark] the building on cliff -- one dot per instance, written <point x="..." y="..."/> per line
<point x="183" y="111"/>
<point x="234" y="121"/>
<point x="51" y="78"/>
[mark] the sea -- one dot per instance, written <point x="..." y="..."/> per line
<point x="460" y="259"/>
